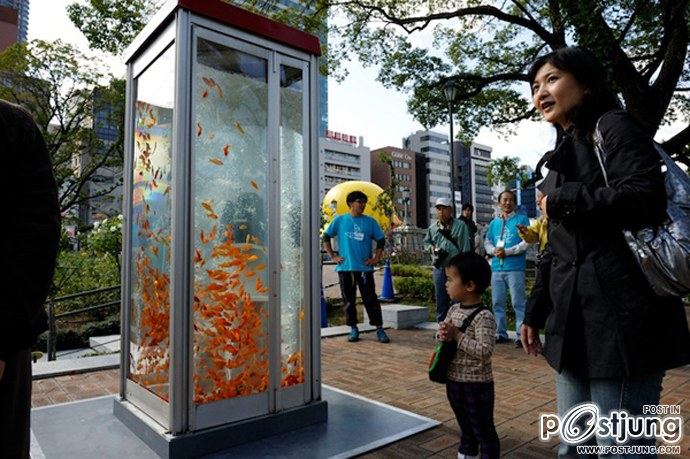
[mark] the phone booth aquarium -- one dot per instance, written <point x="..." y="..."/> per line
<point x="220" y="341"/>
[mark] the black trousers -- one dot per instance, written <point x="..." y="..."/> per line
<point x="473" y="405"/>
<point x="349" y="280"/>
<point x="15" y="406"/>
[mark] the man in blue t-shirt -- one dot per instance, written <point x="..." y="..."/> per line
<point x="503" y="242"/>
<point x="355" y="232"/>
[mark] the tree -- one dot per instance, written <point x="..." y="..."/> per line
<point x="386" y="200"/>
<point x="63" y="91"/>
<point x="504" y="172"/>
<point x="486" y="47"/>
<point x="110" y="25"/>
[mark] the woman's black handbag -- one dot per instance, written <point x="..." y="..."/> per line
<point x="662" y="252"/>
<point x="445" y="351"/>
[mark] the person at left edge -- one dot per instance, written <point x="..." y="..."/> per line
<point x="355" y="265"/>
<point x="29" y="239"/>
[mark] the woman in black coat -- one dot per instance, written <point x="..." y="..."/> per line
<point x="608" y="335"/>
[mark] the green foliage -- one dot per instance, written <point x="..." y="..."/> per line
<point x="110" y="25"/>
<point x="402" y="270"/>
<point x="82" y="271"/>
<point x="504" y="171"/>
<point x="78" y="337"/>
<point x="421" y="288"/>
<point x="62" y="89"/>
<point x="484" y="47"/>
<point x="106" y="237"/>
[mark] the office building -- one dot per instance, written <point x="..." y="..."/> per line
<point x="14" y="22"/>
<point x="342" y="158"/>
<point x="433" y="181"/>
<point x="527" y="198"/>
<point x="403" y="167"/>
<point x="472" y="162"/>
<point x="106" y="181"/>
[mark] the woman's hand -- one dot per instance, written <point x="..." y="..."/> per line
<point x="530" y="340"/>
<point x="543" y="205"/>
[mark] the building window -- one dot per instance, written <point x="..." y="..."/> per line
<point x="435" y="150"/>
<point x="432" y="138"/>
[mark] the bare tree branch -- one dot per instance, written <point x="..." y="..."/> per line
<point x="482" y="10"/>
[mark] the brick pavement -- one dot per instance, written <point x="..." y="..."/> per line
<point x="396" y="374"/>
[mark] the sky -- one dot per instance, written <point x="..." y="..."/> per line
<point x="359" y="106"/>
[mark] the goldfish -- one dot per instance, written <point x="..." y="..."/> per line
<point x="254" y="185"/>
<point x="239" y="128"/>
<point x="260" y="288"/>
<point x="209" y="210"/>
<point x="199" y="129"/>
<point x="226" y="149"/>
<point x="216" y="161"/>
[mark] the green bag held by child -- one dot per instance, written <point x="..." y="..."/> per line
<point x="445" y="351"/>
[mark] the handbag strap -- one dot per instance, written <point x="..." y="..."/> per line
<point x="449" y="235"/>
<point x="468" y="320"/>
<point x="599" y="150"/>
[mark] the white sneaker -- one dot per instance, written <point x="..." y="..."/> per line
<point x="465" y="456"/>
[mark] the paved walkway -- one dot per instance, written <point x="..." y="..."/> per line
<point x="396" y="374"/>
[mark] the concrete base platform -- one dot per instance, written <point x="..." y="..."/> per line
<point x="400" y="316"/>
<point x="88" y="429"/>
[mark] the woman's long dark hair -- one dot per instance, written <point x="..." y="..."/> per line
<point x="584" y="66"/>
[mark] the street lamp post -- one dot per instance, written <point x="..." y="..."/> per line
<point x="450" y="91"/>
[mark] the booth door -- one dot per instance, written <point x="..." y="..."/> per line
<point x="148" y="307"/>
<point x="293" y="281"/>
<point x="247" y="230"/>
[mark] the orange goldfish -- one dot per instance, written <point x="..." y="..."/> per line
<point x="216" y="161"/>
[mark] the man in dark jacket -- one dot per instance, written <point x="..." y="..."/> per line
<point x="466" y="217"/>
<point x="29" y="238"/>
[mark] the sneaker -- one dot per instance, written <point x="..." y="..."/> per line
<point x="501" y="340"/>
<point x="518" y="344"/>
<point x="353" y="336"/>
<point x="382" y="337"/>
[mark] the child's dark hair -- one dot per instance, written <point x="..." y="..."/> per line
<point x="354" y="196"/>
<point x="472" y="267"/>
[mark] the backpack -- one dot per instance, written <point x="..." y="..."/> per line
<point x="662" y="252"/>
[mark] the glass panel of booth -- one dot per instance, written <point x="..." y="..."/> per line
<point x="292" y="205"/>
<point x="230" y="231"/>
<point x="149" y="336"/>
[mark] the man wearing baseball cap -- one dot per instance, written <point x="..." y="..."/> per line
<point x="445" y="238"/>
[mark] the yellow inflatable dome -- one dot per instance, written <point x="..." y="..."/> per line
<point x="336" y="199"/>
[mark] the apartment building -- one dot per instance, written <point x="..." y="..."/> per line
<point x="342" y="157"/>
